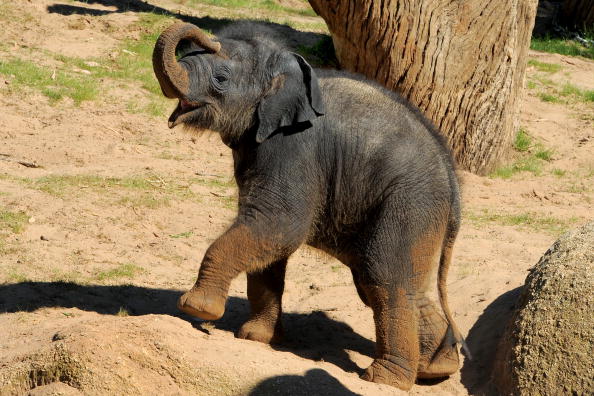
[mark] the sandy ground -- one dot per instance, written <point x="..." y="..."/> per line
<point x="121" y="209"/>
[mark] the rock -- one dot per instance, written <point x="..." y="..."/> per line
<point x="82" y="71"/>
<point x="546" y="348"/>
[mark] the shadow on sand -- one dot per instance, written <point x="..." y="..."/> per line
<point x="483" y="340"/>
<point x="312" y="336"/>
<point x="314" y="382"/>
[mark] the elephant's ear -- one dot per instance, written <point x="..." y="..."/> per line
<point x="294" y="96"/>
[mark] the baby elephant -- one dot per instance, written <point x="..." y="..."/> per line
<point x="329" y="159"/>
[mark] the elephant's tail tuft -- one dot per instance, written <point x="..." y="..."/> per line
<point x="442" y="274"/>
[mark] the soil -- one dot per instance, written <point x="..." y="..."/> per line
<point x="88" y="284"/>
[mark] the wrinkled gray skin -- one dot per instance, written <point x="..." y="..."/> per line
<point x="335" y="161"/>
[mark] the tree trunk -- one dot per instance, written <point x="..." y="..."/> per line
<point x="461" y="61"/>
<point x="578" y="14"/>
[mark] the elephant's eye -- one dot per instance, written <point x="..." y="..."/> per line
<point x="221" y="77"/>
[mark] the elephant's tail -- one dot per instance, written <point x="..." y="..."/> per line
<point x="442" y="274"/>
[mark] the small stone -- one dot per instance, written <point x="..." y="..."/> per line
<point x="58" y="336"/>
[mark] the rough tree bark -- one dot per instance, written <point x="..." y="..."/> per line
<point x="461" y="61"/>
<point x="578" y="14"/>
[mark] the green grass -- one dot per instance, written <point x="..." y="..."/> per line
<point x="577" y="189"/>
<point x="60" y="185"/>
<point x="548" y="97"/>
<point x="543" y="153"/>
<point x="8" y="11"/>
<point x="13" y="221"/>
<point x="561" y="46"/>
<point x="59" y="275"/>
<point x="155" y="107"/>
<point x="530" y="158"/>
<point x="150" y="191"/>
<point x="169" y="156"/>
<point x="558" y="172"/>
<point x="133" y="63"/>
<point x="127" y="270"/>
<point x="229" y="202"/>
<point x="552" y="92"/>
<point x="523" y="141"/>
<point x="15" y="276"/>
<point x="137" y="63"/>
<point x="268" y="5"/>
<point x="144" y="201"/>
<point x="63" y="84"/>
<point x="225" y="183"/>
<point x="186" y="234"/>
<point x="543" y="66"/>
<point x="533" y="221"/>
<point x="544" y="81"/>
<point x="154" y="20"/>
<point x="525" y="164"/>
<point x="316" y="26"/>
<point x="123" y="312"/>
<point x="583" y="95"/>
<point x="569" y="89"/>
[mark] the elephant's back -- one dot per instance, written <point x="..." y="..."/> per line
<point x="371" y="120"/>
<point x="382" y="143"/>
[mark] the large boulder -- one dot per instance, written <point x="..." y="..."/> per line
<point x="548" y="346"/>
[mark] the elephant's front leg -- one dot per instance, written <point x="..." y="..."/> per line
<point x="397" y="341"/>
<point x="265" y="290"/>
<point x="239" y="249"/>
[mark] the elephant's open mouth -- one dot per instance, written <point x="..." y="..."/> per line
<point x="184" y="111"/>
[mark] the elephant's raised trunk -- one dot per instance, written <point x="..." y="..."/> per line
<point x="172" y="77"/>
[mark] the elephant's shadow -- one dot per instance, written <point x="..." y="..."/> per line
<point x="483" y="340"/>
<point x="312" y="336"/>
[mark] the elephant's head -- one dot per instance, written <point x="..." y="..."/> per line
<point x="234" y="84"/>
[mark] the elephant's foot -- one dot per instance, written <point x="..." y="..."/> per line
<point x="261" y="331"/>
<point x="391" y="371"/>
<point x="202" y="304"/>
<point x="444" y="363"/>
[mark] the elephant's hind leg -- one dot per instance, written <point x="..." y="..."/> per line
<point x="439" y="353"/>
<point x="400" y="258"/>
<point x="397" y="342"/>
<point x="265" y="289"/>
